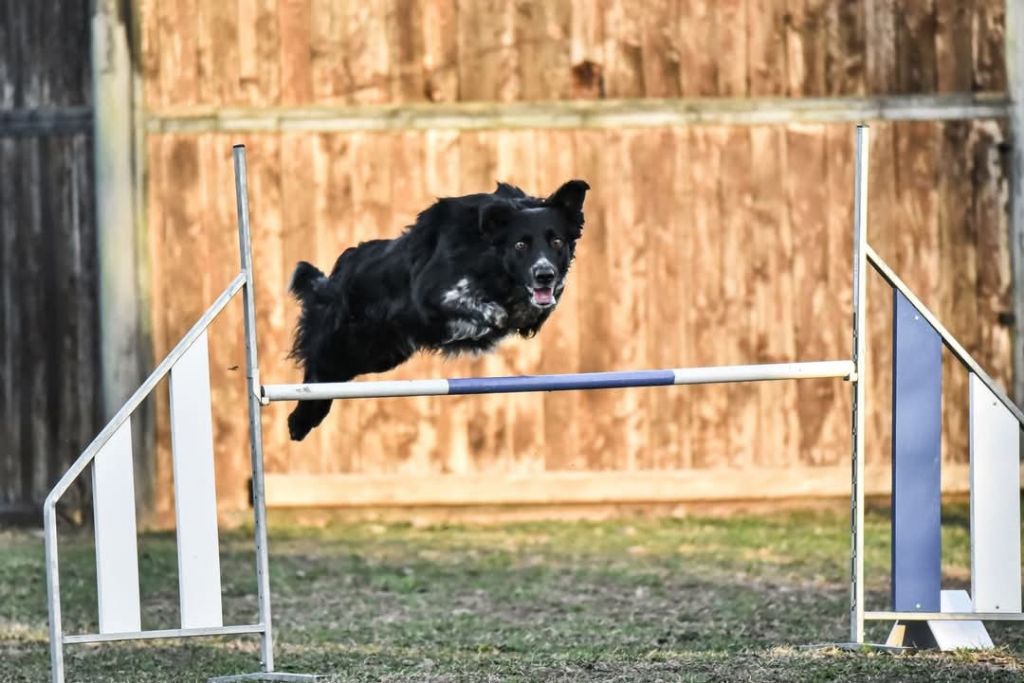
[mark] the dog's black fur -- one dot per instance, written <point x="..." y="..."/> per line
<point x="469" y="272"/>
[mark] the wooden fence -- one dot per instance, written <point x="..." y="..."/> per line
<point x="717" y="137"/>
<point x="49" y="336"/>
<point x="703" y="245"/>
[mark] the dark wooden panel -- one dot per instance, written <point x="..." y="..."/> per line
<point x="48" y="313"/>
<point x="44" y="53"/>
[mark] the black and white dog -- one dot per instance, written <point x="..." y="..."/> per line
<point x="471" y="271"/>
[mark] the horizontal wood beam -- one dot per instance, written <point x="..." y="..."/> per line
<point x="49" y="121"/>
<point x="581" y="488"/>
<point x="633" y="113"/>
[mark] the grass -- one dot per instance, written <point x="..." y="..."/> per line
<point x="699" y="598"/>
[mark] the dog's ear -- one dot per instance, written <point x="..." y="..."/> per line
<point x="494" y="216"/>
<point x="569" y="198"/>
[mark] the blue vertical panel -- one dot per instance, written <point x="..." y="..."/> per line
<point x="916" y="460"/>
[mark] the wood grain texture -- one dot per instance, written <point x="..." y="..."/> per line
<point x="308" y="52"/>
<point x="703" y="245"/>
<point x="49" y="362"/>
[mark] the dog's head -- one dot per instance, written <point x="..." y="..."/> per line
<point x="536" y="238"/>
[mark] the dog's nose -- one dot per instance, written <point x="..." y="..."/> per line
<point x="544" y="275"/>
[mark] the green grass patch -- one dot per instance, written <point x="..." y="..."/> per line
<point x="699" y="598"/>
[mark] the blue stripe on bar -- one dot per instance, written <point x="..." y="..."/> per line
<point x="916" y="460"/>
<point x="586" y="380"/>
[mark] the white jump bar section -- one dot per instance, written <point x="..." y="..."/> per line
<point x="117" y="555"/>
<point x="386" y="389"/>
<point x="764" y="373"/>
<point x="440" y="387"/>
<point x="995" y="502"/>
<point x="195" y="491"/>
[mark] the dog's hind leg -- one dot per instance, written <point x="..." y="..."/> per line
<point x="307" y="414"/>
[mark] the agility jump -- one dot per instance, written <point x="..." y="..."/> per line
<point x="923" y="614"/>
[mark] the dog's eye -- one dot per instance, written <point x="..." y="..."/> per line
<point x="557" y="243"/>
<point x="520" y="245"/>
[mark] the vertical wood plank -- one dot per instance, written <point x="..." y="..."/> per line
<point x="954" y="60"/>
<point x="989" y="30"/>
<point x="766" y="41"/>
<point x="772" y="293"/>
<point x="806" y="43"/>
<point x="697" y="31"/>
<point x="915" y="47"/>
<point x="117" y="557"/>
<point x="150" y="51"/>
<point x="217" y="52"/>
<point x="706" y="316"/>
<point x="295" y="28"/>
<point x="487" y="55"/>
<point x="331" y="79"/>
<point x="541" y="34"/>
<point x="845" y="55"/>
<point x="735" y="198"/>
<point x="995" y="503"/>
<point x="880" y="25"/>
<point x="917" y="460"/>
<point x="367" y="57"/>
<point x="627" y="269"/>
<point x="660" y="49"/>
<point x="655" y="157"/>
<point x="441" y="50"/>
<point x="623" y="51"/>
<point x="405" y="23"/>
<point x="731" y="33"/>
<point x="195" y="492"/>
<point x="808" y="202"/>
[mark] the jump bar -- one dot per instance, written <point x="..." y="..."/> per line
<point x="567" y="382"/>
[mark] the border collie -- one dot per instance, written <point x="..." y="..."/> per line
<point x="471" y="271"/>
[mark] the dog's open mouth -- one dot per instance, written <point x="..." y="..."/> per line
<point x="542" y="296"/>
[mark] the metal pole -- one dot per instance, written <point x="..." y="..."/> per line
<point x="53" y="592"/>
<point x="252" y="375"/>
<point x="860" y="226"/>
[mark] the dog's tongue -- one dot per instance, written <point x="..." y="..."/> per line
<point x="542" y="295"/>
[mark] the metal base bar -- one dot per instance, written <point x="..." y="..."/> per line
<point x="273" y="676"/>
<point x="566" y="382"/>
<point x="944" y="616"/>
<point x="165" y="633"/>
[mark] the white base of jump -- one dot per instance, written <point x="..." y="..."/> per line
<point x="944" y="634"/>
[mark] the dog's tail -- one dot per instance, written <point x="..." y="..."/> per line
<point x="305" y="280"/>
